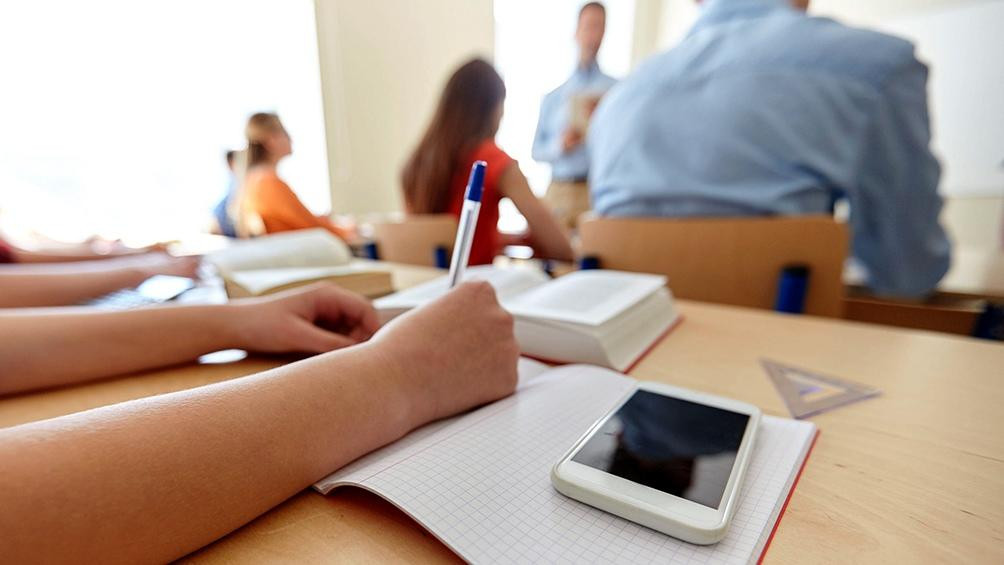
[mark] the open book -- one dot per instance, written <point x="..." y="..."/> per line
<point x="273" y="263"/>
<point x="480" y="482"/>
<point x="607" y="318"/>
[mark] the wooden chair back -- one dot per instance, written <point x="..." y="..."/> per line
<point x="735" y="261"/>
<point x="415" y="239"/>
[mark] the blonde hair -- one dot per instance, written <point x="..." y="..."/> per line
<point x="260" y="127"/>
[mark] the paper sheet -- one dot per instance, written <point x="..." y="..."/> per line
<point x="480" y="482"/>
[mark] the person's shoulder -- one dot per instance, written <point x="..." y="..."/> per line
<point x="266" y="177"/>
<point x="553" y="96"/>
<point x="557" y="93"/>
<point x="491" y="153"/>
<point x="867" y="54"/>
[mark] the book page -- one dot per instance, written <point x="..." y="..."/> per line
<point x="258" y="281"/>
<point x="585" y="297"/>
<point x="507" y="283"/>
<point x="480" y="482"/>
<point x="302" y="248"/>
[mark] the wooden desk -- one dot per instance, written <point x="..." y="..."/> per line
<point x="975" y="273"/>
<point x="976" y="276"/>
<point x="915" y="475"/>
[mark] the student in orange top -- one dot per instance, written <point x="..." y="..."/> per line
<point x="463" y="131"/>
<point x="264" y="196"/>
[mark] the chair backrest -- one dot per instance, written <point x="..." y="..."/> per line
<point x="728" y="261"/>
<point x="415" y="239"/>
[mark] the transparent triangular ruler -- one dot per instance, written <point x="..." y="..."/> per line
<point x="806" y="393"/>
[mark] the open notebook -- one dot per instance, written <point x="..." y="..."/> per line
<point x="480" y="481"/>
<point x="607" y="318"/>
<point x="277" y="262"/>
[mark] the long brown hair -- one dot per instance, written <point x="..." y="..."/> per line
<point x="464" y="117"/>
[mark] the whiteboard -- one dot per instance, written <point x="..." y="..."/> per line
<point x="963" y="44"/>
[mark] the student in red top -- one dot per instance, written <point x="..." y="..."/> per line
<point x="463" y="131"/>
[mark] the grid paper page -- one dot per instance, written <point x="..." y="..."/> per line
<point x="481" y="482"/>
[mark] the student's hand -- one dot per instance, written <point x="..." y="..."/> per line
<point x="571" y="139"/>
<point x="452" y="354"/>
<point x="313" y="319"/>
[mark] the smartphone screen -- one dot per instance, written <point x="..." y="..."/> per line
<point x="672" y="445"/>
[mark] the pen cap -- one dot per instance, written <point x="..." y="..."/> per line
<point x="477" y="181"/>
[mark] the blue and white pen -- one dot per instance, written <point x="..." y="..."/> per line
<point x="468" y="221"/>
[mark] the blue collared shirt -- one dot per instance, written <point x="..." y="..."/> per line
<point x="555" y="114"/>
<point x="763" y="110"/>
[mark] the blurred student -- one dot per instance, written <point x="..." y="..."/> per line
<point x="763" y="111"/>
<point x="224" y="208"/>
<point x="564" y="117"/>
<point x="461" y="132"/>
<point x="70" y="283"/>
<point x="264" y="198"/>
<point x="153" y="479"/>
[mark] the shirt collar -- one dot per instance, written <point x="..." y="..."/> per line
<point x="585" y="73"/>
<point x="714" y="12"/>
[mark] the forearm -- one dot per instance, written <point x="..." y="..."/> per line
<point x="552" y="243"/>
<point x="340" y="232"/>
<point x="153" y="479"/>
<point x="56" y="346"/>
<point x="61" y="285"/>
<point x="546" y="236"/>
<point x="70" y="254"/>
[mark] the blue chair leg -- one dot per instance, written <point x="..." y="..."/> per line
<point x="990" y="324"/>
<point x="441" y="257"/>
<point x="589" y="262"/>
<point x="791" y="289"/>
<point x="371" y="250"/>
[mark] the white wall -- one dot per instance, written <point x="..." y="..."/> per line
<point x="876" y="13"/>
<point x="117" y="113"/>
<point x="383" y="64"/>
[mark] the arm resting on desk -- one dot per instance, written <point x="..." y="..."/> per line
<point x="56" y="346"/>
<point x="153" y="479"/>
<point x="73" y="283"/>
<point x="80" y="252"/>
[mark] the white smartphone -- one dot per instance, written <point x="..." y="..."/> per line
<point x="666" y="457"/>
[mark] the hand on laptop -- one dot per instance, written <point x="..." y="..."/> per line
<point x="455" y="353"/>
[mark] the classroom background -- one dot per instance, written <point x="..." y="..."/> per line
<point x="125" y="126"/>
<point x="225" y="229"/>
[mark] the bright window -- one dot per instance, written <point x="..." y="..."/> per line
<point x="117" y="113"/>
<point x="535" y="52"/>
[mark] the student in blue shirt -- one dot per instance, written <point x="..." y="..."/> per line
<point x="560" y="135"/>
<point x="222" y="210"/>
<point x="762" y="110"/>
